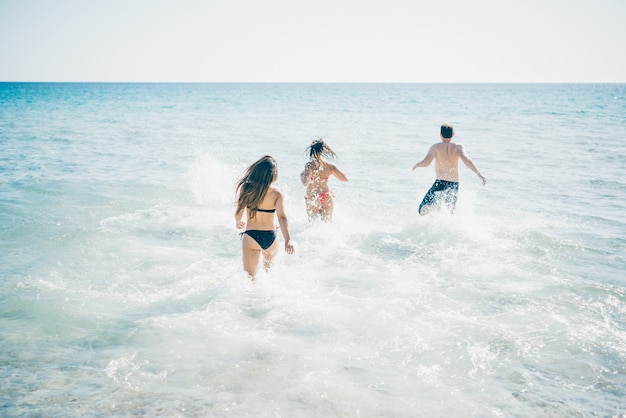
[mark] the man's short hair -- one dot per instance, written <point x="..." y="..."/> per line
<point x="447" y="130"/>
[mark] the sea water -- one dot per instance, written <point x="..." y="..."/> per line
<point x="122" y="291"/>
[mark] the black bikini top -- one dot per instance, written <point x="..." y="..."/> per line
<point x="266" y="210"/>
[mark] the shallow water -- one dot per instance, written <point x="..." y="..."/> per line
<point x="122" y="291"/>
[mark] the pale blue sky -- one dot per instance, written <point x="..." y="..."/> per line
<point x="316" y="41"/>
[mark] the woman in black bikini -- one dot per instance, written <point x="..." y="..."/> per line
<point x="260" y="200"/>
<point x="319" y="197"/>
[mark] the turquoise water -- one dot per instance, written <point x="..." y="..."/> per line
<point x="122" y="292"/>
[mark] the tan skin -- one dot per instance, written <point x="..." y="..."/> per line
<point x="446" y="156"/>
<point x="315" y="177"/>
<point x="252" y="251"/>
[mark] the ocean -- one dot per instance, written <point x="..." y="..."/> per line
<point x="122" y="291"/>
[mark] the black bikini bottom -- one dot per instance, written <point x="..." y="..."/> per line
<point x="264" y="238"/>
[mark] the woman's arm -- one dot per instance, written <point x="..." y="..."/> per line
<point x="339" y="174"/>
<point x="305" y="176"/>
<point x="284" y="223"/>
<point x="239" y="222"/>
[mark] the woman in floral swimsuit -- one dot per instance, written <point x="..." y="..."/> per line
<point x="319" y="197"/>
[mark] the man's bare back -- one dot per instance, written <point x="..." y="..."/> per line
<point x="446" y="156"/>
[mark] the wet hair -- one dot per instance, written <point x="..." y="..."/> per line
<point x="318" y="149"/>
<point x="254" y="184"/>
<point x="447" y="131"/>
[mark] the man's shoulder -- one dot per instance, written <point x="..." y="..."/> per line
<point x="443" y="144"/>
<point x="446" y="145"/>
<point x="453" y="145"/>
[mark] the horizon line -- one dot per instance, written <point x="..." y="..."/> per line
<point x="304" y="82"/>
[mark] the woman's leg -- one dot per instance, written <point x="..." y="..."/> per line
<point x="326" y="212"/>
<point x="251" y="252"/>
<point x="313" y="209"/>
<point x="269" y="254"/>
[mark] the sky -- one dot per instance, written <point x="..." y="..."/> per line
<point x="313" y="40"/>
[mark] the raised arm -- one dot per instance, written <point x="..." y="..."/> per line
<point x="470" y="164"/>
<point x="427" y="160"/>
<point x="284" y="223"/>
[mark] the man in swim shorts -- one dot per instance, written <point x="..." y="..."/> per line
<point x="445" y="189"/>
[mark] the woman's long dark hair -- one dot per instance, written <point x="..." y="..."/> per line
<point x="254" y="184"/>
<point x="318" y="149"/>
